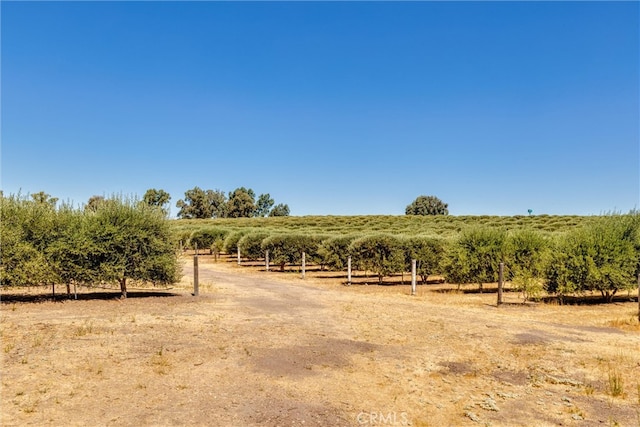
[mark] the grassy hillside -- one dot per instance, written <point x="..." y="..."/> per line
<point x="445" y="226"/>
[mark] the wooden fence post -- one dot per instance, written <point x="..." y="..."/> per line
<point x="303" y="264"/>
<point x="238" y="255"/>
<point x="266" y="259"/>
<point x="500" y="282"/>
<point x="413" y="277"/>
<point x="196" y="285"/>
<point x="349" y="271"/>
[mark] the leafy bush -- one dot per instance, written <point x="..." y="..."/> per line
<point x="251" y="244"/>
<point x="334" y="252"/>
<point x="475" y="256"/>
<point x="287" y="248"/>
<point x="230" y="245"/>
<point x="208" y="238"/>
<point x="115" y="241"/>
<point x="527" y="253"/>
<point x="429" y="253"/>
<point x="382" y="254"/>
<point x="600" y="256"/>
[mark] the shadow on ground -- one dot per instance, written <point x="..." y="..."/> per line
<point x="48" y="297"/>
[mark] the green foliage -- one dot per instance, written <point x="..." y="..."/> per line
<point x="287" y="248"/>
<point x="429" y="253"/>
<point x="42" y="197"/>
<point x="113" y="241"/>
<point x="280" y="210"/>
<point x="158" y="198"/>
<point x="427" y="205"/>
<point x="334" y="252"/>
<point x="93" y="203"/>
<point x="601" y="256"/>
<point x="527" y="253"/>
<point x="231" y="241"/>
<point x="199" y="203"/>
<point x="26" y="228"/>
<point x="208" y="238"/>
<point x="382" y="253"/>
<point x="264" y="205"/>
<point x="241" y="203"/>
<point x="475" y="256"/>
<point x="132" y="241"/>
<point x="251" y="244"/>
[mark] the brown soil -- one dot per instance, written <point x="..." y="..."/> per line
<point x="258" y="348"/>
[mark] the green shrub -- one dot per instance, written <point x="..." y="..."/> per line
<point x="334" y="252"/>
<point x="475" y="256"/>
<point x="600" y="256"/>
<point x="287" y="248"/>
<point x="429" y="253"/>
<point x="382" y="253"/>
<point x="208" y="238"/>
<point x="251" y="244"/>
<point x="527" y="253"/>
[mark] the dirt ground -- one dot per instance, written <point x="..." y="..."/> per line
<point x="272" y="349"/>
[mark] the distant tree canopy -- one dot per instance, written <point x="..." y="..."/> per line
<point x="280" y="210"/>
<point x="93" y="203"/>
<point x="157" y="198"/>
<point x="241" y="203"/>
<point x="427" y="205"/>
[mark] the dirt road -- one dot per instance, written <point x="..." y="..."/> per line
<point x="271" y="349"/>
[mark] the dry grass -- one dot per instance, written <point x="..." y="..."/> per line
<point x="271" y="349"/>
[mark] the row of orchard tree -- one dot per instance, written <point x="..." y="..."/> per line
<point x="112" y="242"/>
<point x="601" y="256"/>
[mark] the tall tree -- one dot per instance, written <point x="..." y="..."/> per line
<point x="427" y="205"/>
<point x="241" y="203"/>
<point x="199" y="203"/>
<point x="157" y="198"/>
<point x="264" y="205"/>
<point x="280" y="210"/>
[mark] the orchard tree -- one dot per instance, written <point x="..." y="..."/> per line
<point x="475" y="256"/>
<point x="429" y="253"/>
<point x="132" y="242"/>
<point x="287" y="248"/>
<point x="264" y="205"/>
<point x="600" y="256"/>
<point x="251" y="244"/>
<point x="207" y="238"/>
<point x="427" y="205"/>
<point x="381" y="253"/>
<point x="527" y="253"/>
<point x="157" y="198"/>
<point x="26" y="227"/>
<point x="280" y="210"/>
<point x="241" y="203"/>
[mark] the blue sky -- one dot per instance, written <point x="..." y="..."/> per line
<point x="332" y="108"/>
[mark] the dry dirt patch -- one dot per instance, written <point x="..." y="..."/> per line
<point x="261" y="348"/>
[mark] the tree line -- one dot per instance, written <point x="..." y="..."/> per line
<point x="240" y="203"/>
<point x="203" y="204"/>
<point x="112" y="241"/>
<point x="602" y="255"/>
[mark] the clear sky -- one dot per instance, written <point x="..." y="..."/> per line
<point x="332" y="108"/>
